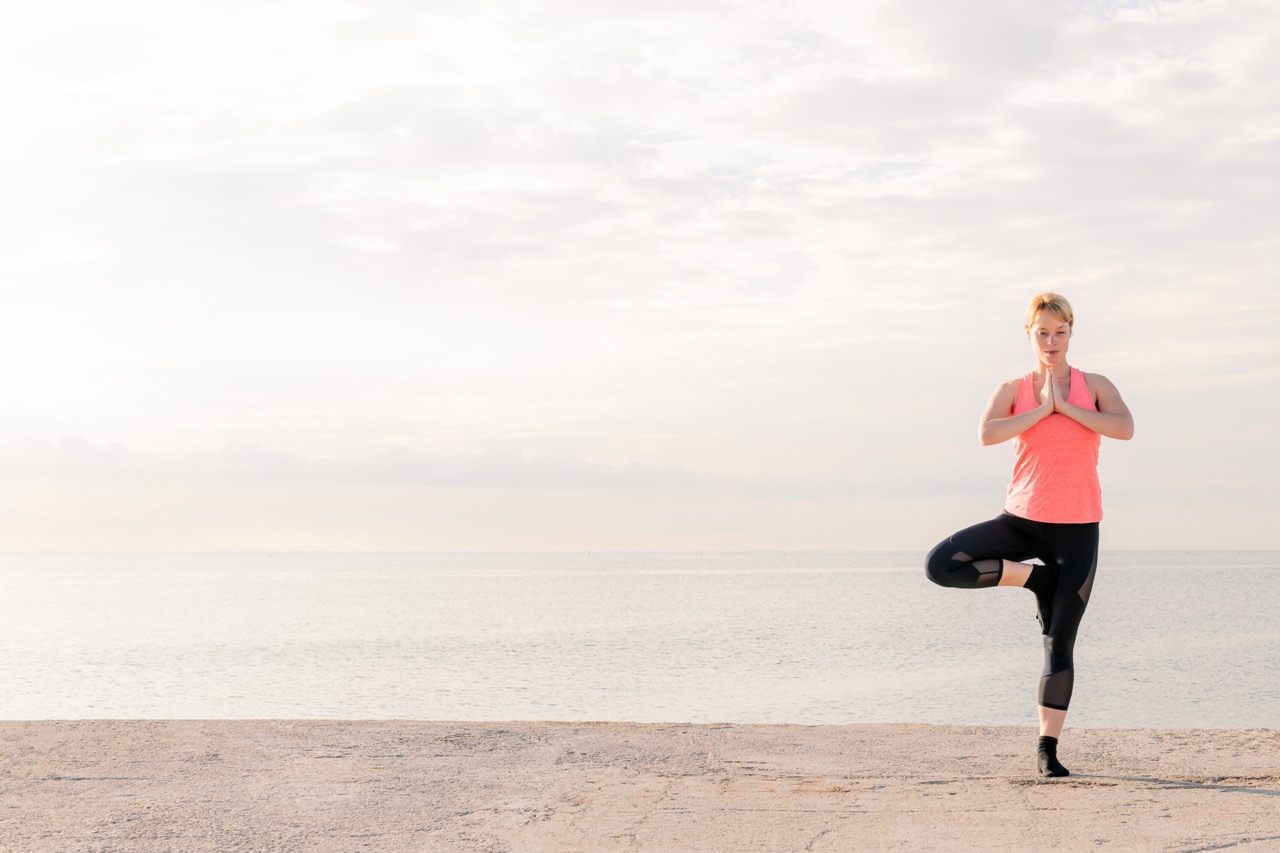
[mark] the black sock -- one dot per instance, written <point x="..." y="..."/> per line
<point x="1043" y="581"/>
<point x="1048" y="758"/>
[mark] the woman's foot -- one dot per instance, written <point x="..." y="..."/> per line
<point x="1048" y="758"/>
<point x="1043" y="581"/>
<point x="1044" y="611"/>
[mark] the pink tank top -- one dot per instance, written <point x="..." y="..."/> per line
<point x="1055" y="466"/>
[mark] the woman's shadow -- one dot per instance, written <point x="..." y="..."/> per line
<point x="1221" y="783"/>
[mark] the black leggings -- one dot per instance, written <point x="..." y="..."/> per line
<point x="971" y="560"/>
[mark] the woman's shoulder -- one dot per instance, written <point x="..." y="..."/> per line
<point x="1007" y="391"/>
<point x="1096" y="381"/>
<point x="1013" y="384"/>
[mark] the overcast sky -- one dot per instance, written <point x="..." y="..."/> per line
<point x="563" y="274"/>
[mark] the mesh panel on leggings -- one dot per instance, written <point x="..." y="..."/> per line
<point x="969" y="573"/>
<point x="1058" y="679"/>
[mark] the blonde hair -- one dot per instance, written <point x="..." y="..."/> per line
<point x="1055" y="304"/>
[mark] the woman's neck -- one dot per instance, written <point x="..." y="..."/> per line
<point x="1060" y="371"/>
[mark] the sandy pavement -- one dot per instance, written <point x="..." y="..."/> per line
<point x="442" y="786"/>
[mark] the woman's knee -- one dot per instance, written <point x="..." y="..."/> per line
<point x="940" y="562"/>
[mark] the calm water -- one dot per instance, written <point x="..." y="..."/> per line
<point x="1170" y="639"/>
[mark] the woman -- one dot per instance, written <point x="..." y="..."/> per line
<point x="1056" y="416"/>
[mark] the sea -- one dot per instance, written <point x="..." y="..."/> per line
<point x="1170" y="639"/>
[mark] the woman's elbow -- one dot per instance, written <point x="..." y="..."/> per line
<point x="1121" y="432"/>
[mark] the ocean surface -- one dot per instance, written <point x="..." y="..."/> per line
<point x="1169" y="639"/>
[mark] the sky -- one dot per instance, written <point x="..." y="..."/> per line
<point x="569" y="275"/>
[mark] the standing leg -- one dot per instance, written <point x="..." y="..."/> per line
<point x="1073" y="548"/>
<point x="1051" y="721"/>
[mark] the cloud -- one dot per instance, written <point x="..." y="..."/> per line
<point x="676" y="247"/>
<point x="254" y="467"/>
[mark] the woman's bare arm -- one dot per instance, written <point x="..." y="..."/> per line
<point x="998" y="425"/>
<point x="1112" y="419"/>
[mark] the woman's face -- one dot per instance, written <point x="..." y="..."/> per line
<point x="1049" y="339"/>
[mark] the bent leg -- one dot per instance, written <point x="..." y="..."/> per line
<point x="1016" y="574"/>
<point x="973" y="558"/>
